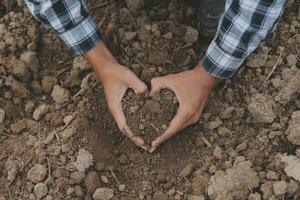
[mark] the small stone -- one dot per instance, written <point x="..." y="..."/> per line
<point x="164" y="126"/>
<point x="186" y="171"/>
<point x="2" y="115"/>
<point x="48" y="83"/>
<point x="40" y="190"/>
<point x="77" y="177"/>
<point x="31" y="60"/>
<point x="215" y="124"/>
<point x="40" y="111"/>
<point x="80" y="64"/>
<point x="103" y="194"/>
<point x="141" y="127"/>
<point x="123" y="159"/>
<point x="78" y="191"/>
<point x="171" y="192"/>
<point x="161" y="176"/>
<point x="191" y="35"/>
<point x="84" y="160"/>
<point x="48" y="197"/>
<point x="68" y="133"/>
<point x="292" y="166"/>
<point x="261" y="108"/>
<point x="241" y="147"/>
<point x="19" y="126"/>
<point x="92" y="181"/>
<point x="60" y="95"/>
<point x="70" y="191"/>
<point x="218" y="152"/>
<point x="279" y="188"/>
<point x="159" y="195"/>
<point x="254" y="196"/>
<point x="104" y="179"/>
<point x="122" y="188"/>
<point x="196" y="197"/>
<point x="129" y="36"/>
<point x="271" y="175"/>
<point x="37" y="173"/>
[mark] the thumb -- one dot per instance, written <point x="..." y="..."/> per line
<point x="138" y="86"/>
<point x="156" y="86"/>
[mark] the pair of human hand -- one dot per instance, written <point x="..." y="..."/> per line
<point x="192" y="89"/>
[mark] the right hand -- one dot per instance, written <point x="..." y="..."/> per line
<point x="116" y="79"/>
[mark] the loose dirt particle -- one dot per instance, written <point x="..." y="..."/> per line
<point x="279" y="188"/>
<point x="92" y="181"/>
<point x="103" y="194"/>
<point x="19" y="126"/>
<point x="37" y="173"/>
<point x="40" y="111"/>
<point x="40" y="190"/>
<point x="233" y="183"/>
<point x="261" y="108"/>
<point x="60" y="95"/>
<point x="84" y="160"/>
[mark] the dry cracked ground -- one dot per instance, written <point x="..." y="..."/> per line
<point x="59" y="141"/>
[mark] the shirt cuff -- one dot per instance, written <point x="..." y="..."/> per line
<point x="220" y="64"/>
<point x="83" y="37"/>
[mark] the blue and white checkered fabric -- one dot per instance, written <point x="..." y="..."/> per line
<point x="70" y="19"/>
<point x="244" y="24"/>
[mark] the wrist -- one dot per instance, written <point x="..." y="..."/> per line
<point x="99" y="58"/>
<point x="207" y="80"/>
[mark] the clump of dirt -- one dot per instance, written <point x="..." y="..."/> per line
<point x="150" y="117"/>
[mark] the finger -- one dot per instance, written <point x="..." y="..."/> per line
<point x="156" y="86"/>
<point x="136" y="139"/>
<point x="138" y="86"/>
<point x="177" y="124"/>
<point x="115" y="107"/>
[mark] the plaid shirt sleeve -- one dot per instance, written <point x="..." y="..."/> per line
<point x="244" y="24"/>
<point x="70" y="19"/>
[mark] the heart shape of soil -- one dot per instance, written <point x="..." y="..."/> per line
<point x="149" y="117"/>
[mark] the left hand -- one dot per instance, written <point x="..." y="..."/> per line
<point x="192" y="89"/>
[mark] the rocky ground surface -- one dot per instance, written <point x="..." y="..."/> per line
<point x="59" y="141"/>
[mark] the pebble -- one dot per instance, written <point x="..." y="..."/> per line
<point x="84" y="160"/>
<point x="141" y="127"/>
<point x="218" y="152"/>
<point x="186" y="171"/>
<point x="48" y="197"/>
<point x="78" y="191"/>
<point x="161" y="176"/>
<point x="48" y="83"/>
<point x="272" y="175"/>
<point x="37" y="173"/>
<point x="196" y="197"/>
<point x="40" y="111"/>
<point x="19" y="126"/>
<point x="2" y="115"/>
<point x="164" y="126"/>
<point x="104" y="179"/>
<point x="68" y="133"/>
<point x="279" y="188"/>
<point x="103" y="194"/>
<point x="122" y="187"/>
<point x="40" y="190"/>
<point x="77" y="177"/>
<point x="92" y="181"/>
<point x="254" y="196"/>
<point x="60" y="95"/>
<point x="241" y="147"/>
<point x="70" y="191"/>
<point x="123" y="159"/>
<point x="159" y="195"/>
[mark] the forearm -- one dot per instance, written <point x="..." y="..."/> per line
<point x="242" y="27"/>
